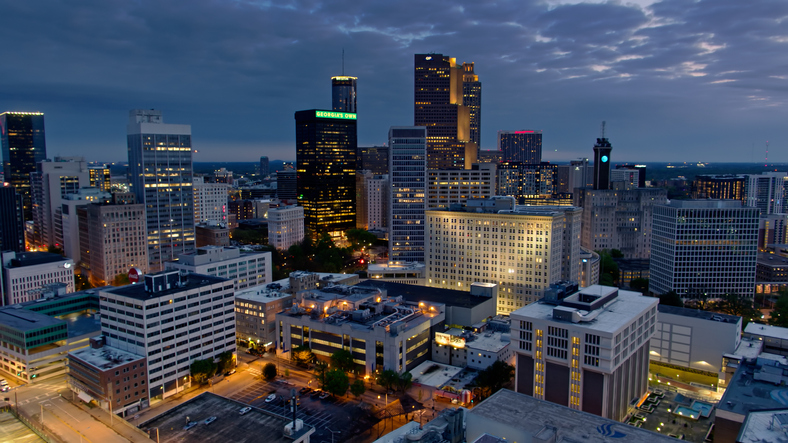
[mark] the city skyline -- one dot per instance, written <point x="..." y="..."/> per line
<point x="670" y="79"/>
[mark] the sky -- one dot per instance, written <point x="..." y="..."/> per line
<point x="675" y="80"/>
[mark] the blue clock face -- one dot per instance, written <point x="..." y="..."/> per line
<point x="604" y="159"/>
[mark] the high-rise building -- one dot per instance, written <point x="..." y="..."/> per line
<point x="408" y="175"/>
<point x="532" y="248"/>
<point x="210" y="201"/>
<point x="527" y="181"/>
<point x="285" y="226"/>
<point x="446" y="187"/>
<point x="587" y="350"/>
<point x="287" y="185"/>
<point x="377" y="202"/>
<point x="374" y="159"/>
<point x="521" y="146"/>
<point x="24" y="145"/>
<point x="472" y="98"/>
<point x="263" y="166"/>
<point x="490" y="156"/>
<point x="718" y="187"/>
<point x="100" y="177"/>
<point x="112" y="238"/>
<point x="438" y="105"/>
<point x="326" y="156"/>
<point x="577" y="174"/>
<point x="50" y="184"/>
<point x="25" y="274"/>
<point x="602" y="150"/>
<point x="704" y="249"/>
<point x="160" y="172"/>
<point x="67" y="223"/>
<point x="765" y="192"/>
<point x="362" y="206"/>
<point x="343" y="94"/>
<point x="12" y="221"/>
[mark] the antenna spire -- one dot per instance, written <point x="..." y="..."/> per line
<point x="343" y="61"/>
<point x="603" y="128"/>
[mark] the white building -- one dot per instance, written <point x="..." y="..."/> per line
<point x="285" y="226"/>
<point x="255" y="315"/>
<point x="51" y="182"/>
<point x="588" y="350"/>
<point x="210" y="201"/>
<point x="408" y="173"/>
<point x="522" y="249"/>
<point x="377" y="202"/>
<point x="457" y="347"/>
<point x="26" y="273"/>
<point x="446" y="187"/>
<point x="766" y="191"/>
<point x="244" y="268"/>
<point x="173" y="319"/>
<point x="704" y="249"/>
<point x="67" y="225"/>
<point x="409" y="273"/>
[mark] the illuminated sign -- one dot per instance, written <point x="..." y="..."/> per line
<point x="449" y="340"/>
<point x="134" y="275"/>
<point x="332" y="114"/>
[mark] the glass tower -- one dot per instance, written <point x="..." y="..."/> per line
<point x="24" y="145"/>
<point x="160" y="173"/>
<point x="521" y="146"/>
<point x="408" y="174"/>
<point x="343" y="93"/>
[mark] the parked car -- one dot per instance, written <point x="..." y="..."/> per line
<point x="315" y="393"/>
<point x="244" y="410"/>
<point x="5" y="388"/>
<point x="270" y="398"/>
<point x="190" y="425"/>
<point x="305" y="390"/>
<point x="324" y="395"/>
<point x="210" y="420"/>
<point x="228" y="373"/>
<point x="3" y="382"/>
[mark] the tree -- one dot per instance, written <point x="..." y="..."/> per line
<point x="302" y="355"/>
<point x="357" y="388"/>
<point x="494" y="377"/>
<point x="55" y="250"/>
<point x="671" y="298"/>
<point x="225" y="361"/>
<point x="608" y="272"/>
<point x="202" y="370"/>
<point x="360" y="238"/>
<point x="121" y="280"/>
<point x="336" y="382"/>
<point x="734" y="304"/>
<point x="343" y="360"/>
<point x="404" y="381"/>
<point x="321" y="368"/>
<point x="269" y="371"/>
<point x="388" y="378"/>
<point x="640" y="285"/>
<point x="81" y="282"/>
<point x="779" y="315"/>
<point x="615" y="253"/>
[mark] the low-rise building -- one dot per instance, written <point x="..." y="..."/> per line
<point x="212" y="234"/>
<point x="771" y="268"/>
<point x="774" y="338"/>
<point x="255" y="315"/>
<point x="412" y="273"/>
<point x="475" y="350"/>
<point x="26" y="272"/>
<point x="246" y="269"/>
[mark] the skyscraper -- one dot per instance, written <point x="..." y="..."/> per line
<point x="326" y="165"/>
<point x="765" y="192"/>
<point x="24" y="145"/>
<point x="472" y="98"/>
<point x="408" y="175"/>
<point x="602" y="150"/>
<point x="521" y="146"/>
<point x="438" y="105"/>
<point x="50" y="184"/>
<point x="343" y="93"/>
<point x="263" y="166"/>
<point x="12" y="222"/>
<point x="160" y="173"/>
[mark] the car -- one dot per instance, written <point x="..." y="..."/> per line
<point x="324" y="395"/>
<point x="3" y="382"/>
<point x="244" y="410"/>
<point x="305" y="390"/>
<point x="270" y="398"/>
<point x="315" y="393"/>
<point x="5" y="388"/>
<point x="210" y="420"/>
<point x="229" y="373"/>
<point x="190" y="425"/>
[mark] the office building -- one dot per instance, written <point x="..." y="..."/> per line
<point x="24" y="145"/>
<point x="212" y="234"/>
<point x="24" y="274"/>
<point x="100" y="177"/>
<point x="67" y="227"/>
<point x="619" y="219"/>
<point x="362" y="207"/>
<point x="374" y="159"/>
<point x="522" y="249"/>
<point x="287" y="185"/>
<point x="248" y="209"/>
<point x="765" y="192"/>
<point x="718" y="187"/>
<point x="521" y="146"/>
<point x="489" y="156"/>
<point x="412" y="273"/>
<point x="633" y="174"/>
<point x="408" y="175"/>
<point x="343" y="93"/>
<point x="264" y="171"/>
<point x="326" y="157"/>
<point x="210" y="201"/>
<point x="602" y="150"/>
<point x="438" y="106"/>
<point x="589" y="267"/>
<point x="244" y="269"/>
<point x="704" y="249"/>
<point x="577" y="174"/>
<point x="112" y="238"/>
<point x="587" y="350"/>
<point x="773" y="230"/>
<point x="446" y="187"/>
<point x="472" y="99"/>
<point x="187" y="317"/>
<point x="222" y="175"/>
<point x="12" y="221"/>
<point x="286" y="226"/>
<point x="51" y="182"/>
<point x="160" y="172"/>
<point x="528" y="181"/>
<point x="377" y="202"/>
<point x="113" y="378"/>
<point x="771" y="268"/>
<point x="256" y="309"/>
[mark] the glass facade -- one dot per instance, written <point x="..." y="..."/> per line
<point x="343" y="93"/>
<point x="521" y="146"/>
<point x="24" y="145"/>
<point x="408" y="174"/>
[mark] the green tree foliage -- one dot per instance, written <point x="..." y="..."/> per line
<point x="55" y="250"/>
<point x="302" y="355"/>
<point x="671" y="298"/>
<point x="321" y="368"/>
<point x="357" y="388"/>
<point x="779" y="315"/>
<point x="404" y="381"/>
<point x="121" y="280"/>
<point x="249" y="236"/>
<point x="640" y="285"/>
<point x="608" y="272"/>
<point x="269" y="371"/>
<point x="342" y="360"/>
<point x="360" y="238"/>
<point x="81" y="282"/>
<point x="225" y="361"/>
<point x="336" y="382"/>
<point x="494" y="377"/>
<point x="388" y="379"/>
<point x="202" y="370"/>
<point x="734" y="304"/>
<point x="615" y="253"/>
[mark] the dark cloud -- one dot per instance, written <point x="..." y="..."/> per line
<point x="677" y="80"/>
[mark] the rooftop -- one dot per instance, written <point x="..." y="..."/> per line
<point x="755" y="386"/>
<point x="707" y="204"/>
<point x="138" y="291"/>
<point x="766" y="258"/>
<point x="439" y="374"/>
<point x="416" y="293"/>
<point x="764" y="426"/>
<point x="697" y="313"/>
<point x="105" y="358"/>
<point x="23" y="320"/>
<point x="766" y="331"/>
<point x="35" y="258"/>
<point x="532" y="416"/>
<point x="260" y="294"/>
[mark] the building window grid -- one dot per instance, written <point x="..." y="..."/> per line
<point x="575" y="375"/>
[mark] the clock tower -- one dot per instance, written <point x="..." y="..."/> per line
<point x="602" y="150"/>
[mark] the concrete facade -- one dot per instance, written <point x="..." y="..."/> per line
<point x="245" y="269"/>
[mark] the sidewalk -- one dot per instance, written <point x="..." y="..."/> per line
<point x="119" y="425"/>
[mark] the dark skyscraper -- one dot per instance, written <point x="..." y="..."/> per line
<point x="12" y="223"/>
<point x="472" y="98"/>
<point x="343" y="93"/>
<point x="602" y="150"/>
<point x="263" y="166"/>
<point x="326" y="146"/>
<point x="438" y="105"/>
<point x="24" y="145"/>
<point x="374" y="159"/>
<point x="287" y="185"/>
<point x="521" y="146"/>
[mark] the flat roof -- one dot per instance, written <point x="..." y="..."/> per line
<point x="697" y="313"/>
<point x="138" y="290"/>
<point x="437" y="377"/>
<point x="531" y="415"/>
<point x="766" y="331"/>
<point x="744" y="393"/>
<point x="82" y="323"/>
<point x="766" y="258"/>
<point x="105" y="357"/>
<point x="416" y="293"/>
<point x="261" y="294"/>
<point x="36" y="258"/>
<point x="23" y="320"/>
<point x="253" y="426"/>
<point x="616" y="314"/>
<point x="764" y="426"/>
